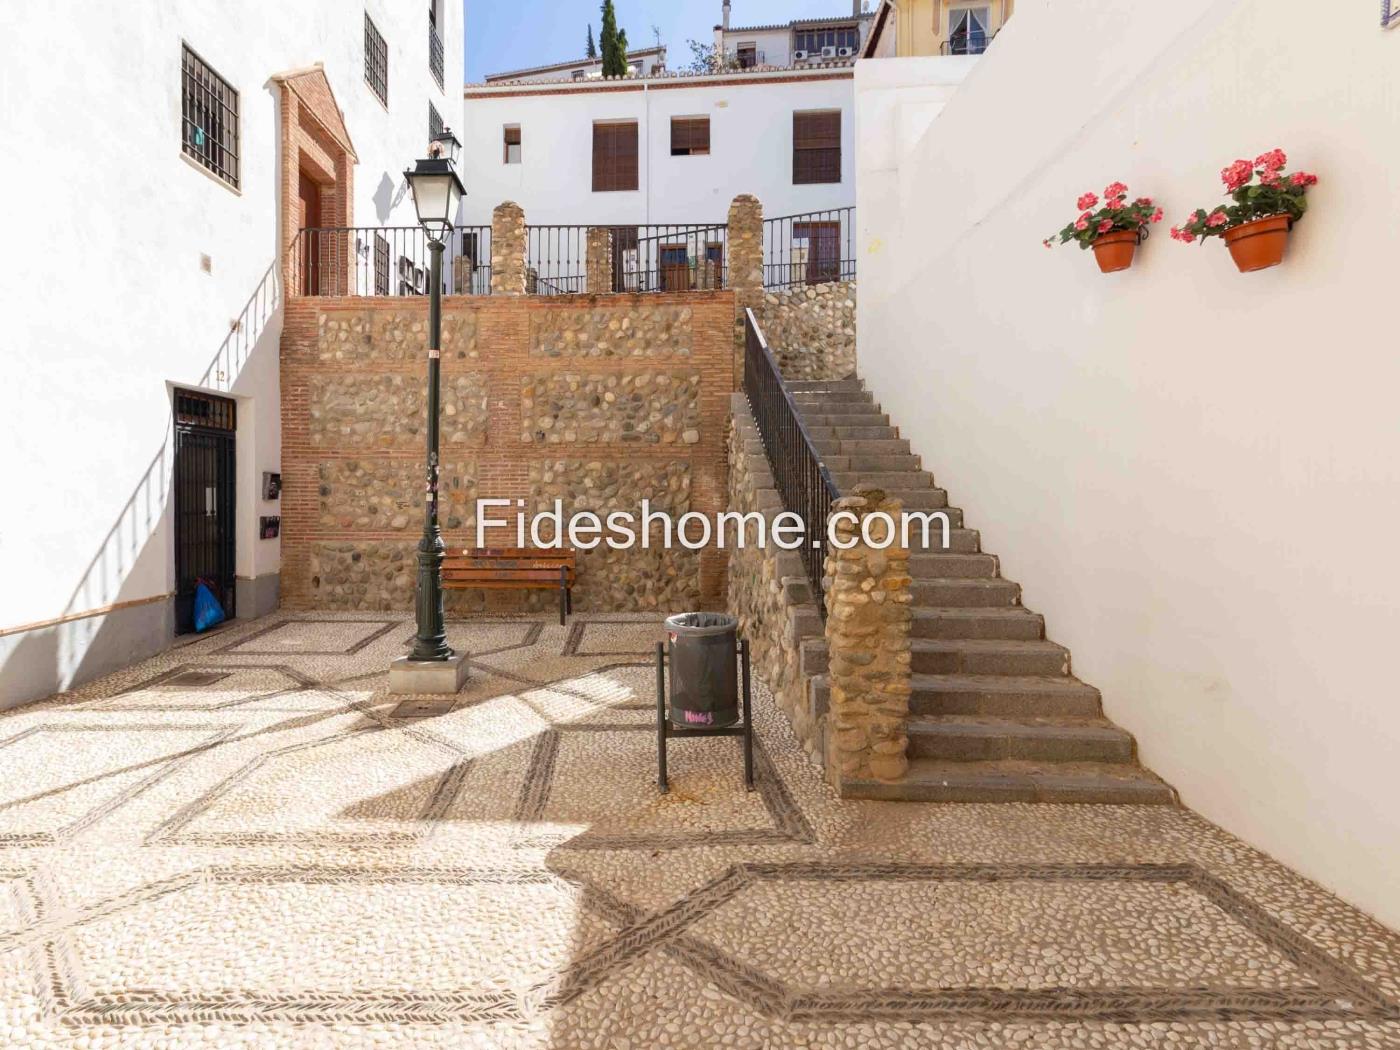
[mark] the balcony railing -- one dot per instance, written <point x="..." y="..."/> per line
<point x="812" y="248"/>
<point x="803" y="482"/>
<point x="967" y="43"/>
<point x="388" y="260"/>
<point x="675" y="258"/>
<point x="435" y="54"/>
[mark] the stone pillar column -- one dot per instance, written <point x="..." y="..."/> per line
<point x="508" y="249"/>
<point x="745" y="252"/>
<point x="869" y="610"/>
<point x="599" y="272"/>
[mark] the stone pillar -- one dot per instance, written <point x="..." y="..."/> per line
<point x="869" y="610"/>
<point x="508" y="249"/>
<point x="745" y="251"/>
<point x="599" y="272"/>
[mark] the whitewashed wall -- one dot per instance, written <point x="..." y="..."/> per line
<point x="1193" y="472"/>
<point x="750" y="150"/>
<point x="109" y="305"/>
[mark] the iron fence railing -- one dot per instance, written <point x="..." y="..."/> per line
<point x="435" y="54"/>
<point x="811" y="248"/>
<point x="804" y="484"/>
<point x="388" y="260"/>
<point x="967" y="43"/>
<point x="653" y="258"/>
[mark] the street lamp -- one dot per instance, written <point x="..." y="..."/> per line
<point x="437" y="191"/>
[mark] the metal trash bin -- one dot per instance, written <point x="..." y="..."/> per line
<point x="704" y="691"/>
<point x="701" y="649"/>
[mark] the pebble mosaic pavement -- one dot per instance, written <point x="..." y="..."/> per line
<point x="247" y="842"/>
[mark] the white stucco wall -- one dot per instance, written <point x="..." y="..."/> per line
<point x="1193" y="472"/>
<point x="110" y="304"/>
<point x="750" y="150"/>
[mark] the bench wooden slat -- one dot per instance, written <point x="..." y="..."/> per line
<point x="512" y="568"/>
<point x="548" y="577"/>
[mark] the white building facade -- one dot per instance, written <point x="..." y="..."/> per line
<point x="699" y="142"/>
<point x="802" y="42"/>
<point x="174" y="174"/>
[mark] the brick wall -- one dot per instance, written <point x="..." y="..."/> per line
<point x="599" y="401"/>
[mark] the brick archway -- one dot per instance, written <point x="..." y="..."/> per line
<point x="316" y="187"/>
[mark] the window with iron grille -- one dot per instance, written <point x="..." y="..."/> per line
<point x="614" y="157"/>
<point x="434" y="122"/>
<point x="511" y="143"/>
<point x="816" y="147"/>
<point x="376" y="61"/>
<point x="690" y="136"/>
<point x="381" y="265"/>
<point x="209" y="117"/>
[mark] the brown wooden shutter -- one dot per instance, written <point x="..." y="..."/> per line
<point x="690" y="136"/>
<point x="614" y="157"/>
<point x="816" y="147"/>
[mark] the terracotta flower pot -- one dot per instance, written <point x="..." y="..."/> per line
<point x="1259" y="244"/>
<point x="1114" y="250"/>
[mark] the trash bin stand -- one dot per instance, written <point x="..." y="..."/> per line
<point x="664" y="729"/>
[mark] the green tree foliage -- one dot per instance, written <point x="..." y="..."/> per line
<point x="592" y="51"/>
<point x="613" y="43"/>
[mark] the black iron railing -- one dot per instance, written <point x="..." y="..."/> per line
<point x="967" y="43"/>
<point x="435" y="55"/>
<point x="803" y="482"/>
<point x="812" y="248"/>
<point x="388" y="260"/>
<point x="655" y="258"/>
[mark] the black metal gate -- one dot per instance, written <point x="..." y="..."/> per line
<point x="204" y="501"/>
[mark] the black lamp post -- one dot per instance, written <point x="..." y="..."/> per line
<point x="436" y="193"/>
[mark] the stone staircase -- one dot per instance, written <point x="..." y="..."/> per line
<point x="996" y="714"/>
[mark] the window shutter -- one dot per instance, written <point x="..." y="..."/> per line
<point x="614" y="157"/>
<point x="816" y="147"/>
<point x="690" y="136"/>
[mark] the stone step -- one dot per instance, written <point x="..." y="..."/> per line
<point x="809" y="408"/>
<point x="826" y="398"/>
<point x="933" y="780"/>
<point x="860" y="433"/>
<point x="995" y="656"/>
<point x="890" y="481"/>
<point x="960" y="541"/>
<point x="963" y="738"/>
<point x="961" y="593"/>
<point x="952" y="566"/>
<point x="1015" y="623"/>
<point x="1003" y="696"/>
<point x="867" y="463"/>
<point x="810" y="385"/>
<point x="873" y="418"/>
<point x="922" y="499"/>
<point x="867" y="446"/>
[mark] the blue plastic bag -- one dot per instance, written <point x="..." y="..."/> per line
<point x="207" y="610"/>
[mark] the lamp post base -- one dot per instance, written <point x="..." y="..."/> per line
<point x="428" y="677"/>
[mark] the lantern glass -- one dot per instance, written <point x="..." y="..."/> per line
<point x="444" y="146"/>
<point x="437" y="192"/>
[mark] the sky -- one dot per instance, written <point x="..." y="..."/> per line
<point x="513" y="34"/>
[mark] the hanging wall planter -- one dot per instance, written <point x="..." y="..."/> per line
<point x="1259" y="244"/>
<point x="1114" y="251"/>
<point x="1255" y="226"/>
<point x="1113" y="231"/>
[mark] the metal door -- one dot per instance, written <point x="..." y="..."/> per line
<point x="204" y="501"/>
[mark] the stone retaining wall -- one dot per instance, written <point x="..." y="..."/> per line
<point x="597" y="401"/>
<point x="769" y="593"/>
<point x="811" y="329"/>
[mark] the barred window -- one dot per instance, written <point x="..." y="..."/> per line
<point x="614" y="157"/>
<point x="434" y="122"/>
<point x="690" y="136"/>
<point x="816" y="147"/>
<point x="209" y="117"/>
<point x="376" y="61"/>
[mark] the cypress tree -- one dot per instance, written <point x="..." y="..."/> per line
<point x="613" y="44"/>
<point x="592" y="51"/>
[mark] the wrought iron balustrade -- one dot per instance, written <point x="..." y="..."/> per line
<point x="812" y="248"/>
<point x="804" y="484"/>
<point x="388" y="260"/>
<point x="650" y="258"/>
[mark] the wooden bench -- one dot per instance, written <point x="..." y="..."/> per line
<point x="513" y="568"/>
